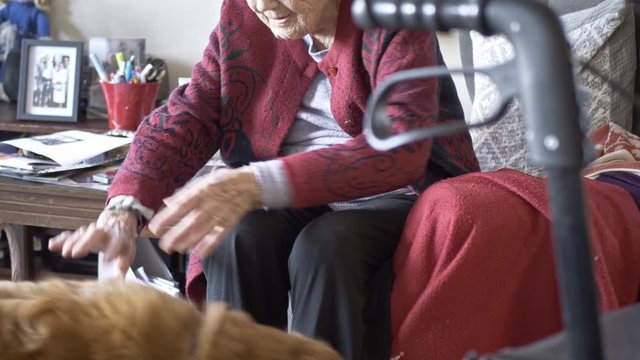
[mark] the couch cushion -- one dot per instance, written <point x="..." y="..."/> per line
<point x="603" y="36"/>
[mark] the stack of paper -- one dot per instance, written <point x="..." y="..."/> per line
<point x="62" y="151"/>
<point x="147" y="268"/>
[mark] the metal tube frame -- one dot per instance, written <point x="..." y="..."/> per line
<point x="551" y="115"/>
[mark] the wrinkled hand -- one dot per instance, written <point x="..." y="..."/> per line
<point x="198" y="215"/>
<point x="114" y="233"/>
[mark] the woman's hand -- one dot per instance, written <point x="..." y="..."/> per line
<point x="198" y="215"/>
<point x="114" y="233"/>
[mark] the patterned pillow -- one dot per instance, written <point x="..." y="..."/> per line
<point x="604" y="37"/>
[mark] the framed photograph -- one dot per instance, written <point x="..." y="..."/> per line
<point x="49" y="80"/>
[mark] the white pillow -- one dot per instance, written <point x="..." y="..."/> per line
<point x="603" y="36"/>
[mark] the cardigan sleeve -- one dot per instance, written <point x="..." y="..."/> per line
<point x="353" y="170"/>
<point x="176" y="139"/>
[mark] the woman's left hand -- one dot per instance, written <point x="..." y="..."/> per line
<point x="197" y="216"/>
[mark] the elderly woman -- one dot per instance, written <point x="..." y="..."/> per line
<point x="308" y="208"/>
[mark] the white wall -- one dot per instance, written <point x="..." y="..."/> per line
<point x="176" y="31"/>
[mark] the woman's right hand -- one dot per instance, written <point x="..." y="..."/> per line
<point x="114" y="234"/>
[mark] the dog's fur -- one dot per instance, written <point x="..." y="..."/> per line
<point x="73" y="320"/>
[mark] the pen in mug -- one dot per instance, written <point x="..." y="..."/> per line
<point x="120" y="60"/>
<point x="129" y="65"/>
<point x="102" y="74"/>
<point x="128" y="68"/>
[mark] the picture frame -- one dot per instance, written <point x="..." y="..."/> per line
<point x="50" y="75"/>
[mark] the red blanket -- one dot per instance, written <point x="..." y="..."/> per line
<point x="475" y="269"/>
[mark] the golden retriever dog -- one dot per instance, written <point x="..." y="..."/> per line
<point x="90" y="320"/>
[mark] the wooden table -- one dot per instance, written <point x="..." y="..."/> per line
<point x="25" y="204"/>
<point x="8" y="122"/>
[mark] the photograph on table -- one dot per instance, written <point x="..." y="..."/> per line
<point x="49" y="80"/>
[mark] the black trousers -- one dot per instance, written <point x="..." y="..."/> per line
<point x="335" y="265"/>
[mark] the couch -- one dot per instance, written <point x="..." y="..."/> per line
<point x="562" y="7"/>
<point x="475" y="267"/>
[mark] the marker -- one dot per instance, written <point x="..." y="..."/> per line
<point x="128" y="69"/>
<point x="120" y="60"/>
<point x="102" y="74"/>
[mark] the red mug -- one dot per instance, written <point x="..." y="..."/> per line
<point x="128" y="104"/>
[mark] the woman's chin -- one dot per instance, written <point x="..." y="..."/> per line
<point x="286" y="34"/>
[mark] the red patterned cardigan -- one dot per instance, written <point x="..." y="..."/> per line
<point x="244" y="95"/>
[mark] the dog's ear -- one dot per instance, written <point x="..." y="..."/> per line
<point x="229" y="334"/>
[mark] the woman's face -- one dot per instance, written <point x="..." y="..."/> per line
<point x="293" y="19"/>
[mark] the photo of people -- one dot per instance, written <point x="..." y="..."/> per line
<point x="51" y="80"/>
<point x="55" y="139"/>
